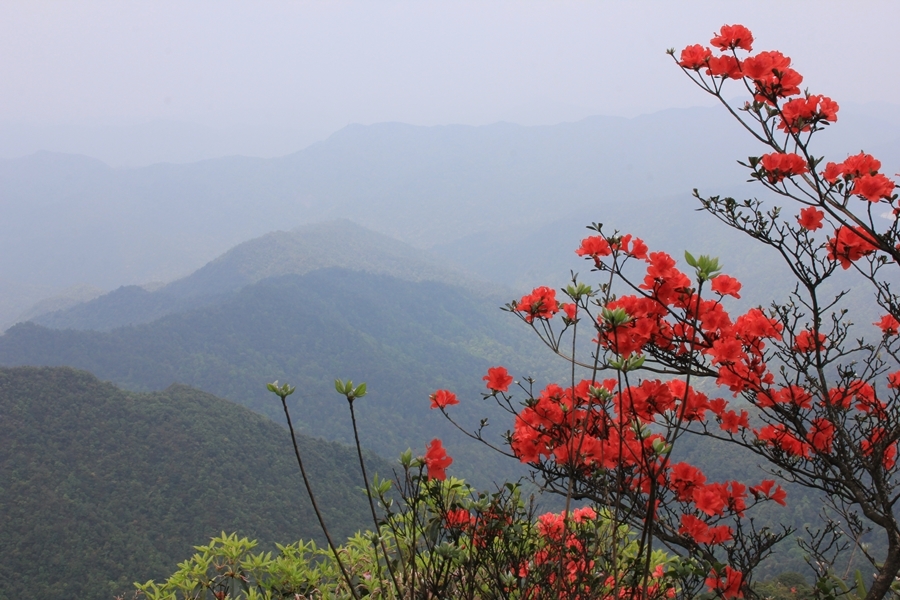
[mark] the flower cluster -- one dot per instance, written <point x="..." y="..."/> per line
<point x="769" y="72"/>
<point x="861" y="173"/>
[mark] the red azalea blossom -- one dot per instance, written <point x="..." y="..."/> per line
<point x="703" y="533"/>
<point x="443" y="399"/>
<point x="832" y="172"/>
<point x="791" y="394"/>
<point x="731" y="587"/>
<point x="800" y="113"/>
<point x="585" y="513"/>
<point x="684" y="479"/>
<point x="732" y="422"/>
<point x="848" y="245"/>
<point x="873" y="187"/>
<point x="695" y="57"/>
<point x="888" y="325"/>
<point x="498" y="379"/>
<point x="570" y="309"/>
<point x="458" y="518"/>
<point x="772" y="75"/>
<point x="778" y="436"/>
<point x="724" y="66"/>
<point x="594" y="246"/>
<point x="811" y="218"/>
<point x="731" y="37"/>
<point x="821" y="435"/>
<point x="764" y="489"/>
<point x="436" y="460"/>
<point x="856" y="167"/>
<point x="711" y="499"/>
<point x="540" y="303"/>
<point x="894" y="380"/>
<point x="779" y="165"/>
<point x="726" y="285"/>
<point x="805" y="342"/>
<point x="860" y="164"/>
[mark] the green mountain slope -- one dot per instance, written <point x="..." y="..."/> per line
<point x="405" y="339"/>
<point x="101" y="487"/>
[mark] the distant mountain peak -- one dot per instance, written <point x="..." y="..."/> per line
<point x="336" y="243"/>
<point x="340" y="243"/>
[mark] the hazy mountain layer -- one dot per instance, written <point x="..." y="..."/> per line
<point x="103" y="487"/>
<point x="68" y="219"/>
<point x="332" y="244"/>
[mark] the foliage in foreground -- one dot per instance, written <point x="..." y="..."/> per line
<point x="445" y="542"/>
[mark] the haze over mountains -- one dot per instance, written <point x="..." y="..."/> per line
<point x="381" y="254"/>
<point x="69" y="220"/>
<point x="339" y="243"/>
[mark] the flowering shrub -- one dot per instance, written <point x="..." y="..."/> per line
<point x="825" y="410"/>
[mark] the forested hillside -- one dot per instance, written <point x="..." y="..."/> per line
<point x="102" y="487"/>
<point x="405" y="339"/>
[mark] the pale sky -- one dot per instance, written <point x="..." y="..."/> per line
<point x="295" y="69"/>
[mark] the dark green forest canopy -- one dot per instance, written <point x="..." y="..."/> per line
<point x="101" y="487"/>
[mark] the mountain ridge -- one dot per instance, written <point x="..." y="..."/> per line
<point x="340" y="243"/>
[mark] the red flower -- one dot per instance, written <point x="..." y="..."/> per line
<point x="703" y="533"/>
<point x="540" y="303"/>
<point x="731" y="587"/>
<point x="848" y="245"/>
<point x="765" y="489"/>
<point x="498" y="379"/>
<point x="772" y="75"/>
<point x="443" y="399"/>
<point x="594" y="246"/>
<point x="894" y="380"/>
<point x="805" y="342"/>
<point x="799" y="114"/>
<point x="733" y="36"/>
<point x="779" y="165"/>
<point x="458" y="518"/>
<point x="585" y="513"/>
<point x="732" y="422"/>
<point x="873" y="187"/>
<point x="694" y="57"/>
<point x="888" y="325"/>
<point x="436" y="460"/>
<point x="762" y="67"/>
<point x="811" y="218"/>
<point x="724" y="66"/>
<point x="711" y="499"/>
<point x="777" y="436"/>
<point x="832" y="172"/>
<point x="888" y="456"/>
<point x="860" y="164"/>
<point x="684" y="479"/>
<point x="570" y="309"/>
<point x="821" y="435"/>
<point x="726" y="285"/>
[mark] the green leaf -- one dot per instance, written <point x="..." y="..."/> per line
<point x="690" y="259"/>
